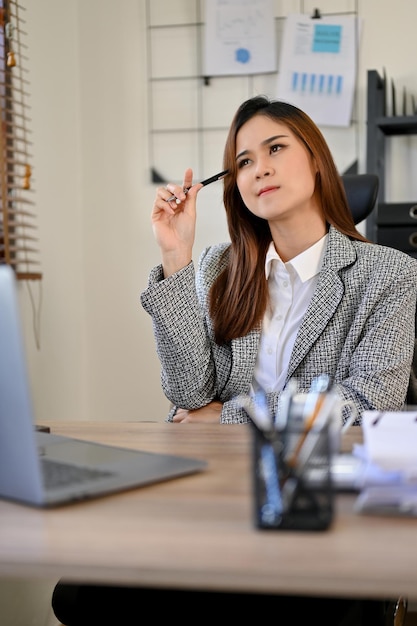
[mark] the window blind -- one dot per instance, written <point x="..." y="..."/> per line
<point x="18" y="229"/>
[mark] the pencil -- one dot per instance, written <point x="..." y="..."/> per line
<point x="205" y="182"/>
<point x="314" y="403"/>
<point x="307" y="428"/>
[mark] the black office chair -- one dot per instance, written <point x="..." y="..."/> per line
<point x="411" y="398"/>
<point x="361" y="191"/>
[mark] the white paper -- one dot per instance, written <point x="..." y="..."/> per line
<point x="390" y="439"/>
<point x="239" y="37"/>
<point x="388" y="500"/>
<point x="318" y="67"/>
<point x="389" y="451"/>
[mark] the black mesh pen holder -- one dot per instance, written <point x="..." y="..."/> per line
<point x="292" y="479"/>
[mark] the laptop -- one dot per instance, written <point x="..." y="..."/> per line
<point x="45" y="470"/>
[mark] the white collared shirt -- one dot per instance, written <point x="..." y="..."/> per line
<point x="291" y="286"/>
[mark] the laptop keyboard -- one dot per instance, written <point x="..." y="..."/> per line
<point x="58" y="474"/>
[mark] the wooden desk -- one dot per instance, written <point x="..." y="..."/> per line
<point x="198" y="531"/>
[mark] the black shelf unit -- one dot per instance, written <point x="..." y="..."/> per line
<point x="391" y="223"/>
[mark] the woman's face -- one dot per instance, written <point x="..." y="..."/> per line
<point x="275" y="171"/>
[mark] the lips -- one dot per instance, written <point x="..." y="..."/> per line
<point x="267" y="190"/>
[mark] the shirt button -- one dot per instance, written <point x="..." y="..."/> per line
<point x="285" y="283"/>
<point x="269" y="351"/>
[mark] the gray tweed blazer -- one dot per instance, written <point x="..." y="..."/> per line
<point x="359" y="328"/>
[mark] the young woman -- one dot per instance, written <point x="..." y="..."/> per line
<point x="296" y="293"/>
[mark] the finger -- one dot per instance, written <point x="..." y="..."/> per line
<point x="161" y="205"/>
<point x="180" y="415"/>
<point x="188" y="178"/>
<point x="173" y="194"/>
<point x="193" y="191"/>
<point x="178" y="419"/>
<point x="179" y="195"/>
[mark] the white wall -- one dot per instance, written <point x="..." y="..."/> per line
<point x="88" y="94"/>
<point x="88" y="86"/>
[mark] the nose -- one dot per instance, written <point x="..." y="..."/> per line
<point x="263" y="168"/>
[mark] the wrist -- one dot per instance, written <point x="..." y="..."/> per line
<point x="172" y="263"/>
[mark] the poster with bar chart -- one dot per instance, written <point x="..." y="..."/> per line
<point x="317" y="69"/>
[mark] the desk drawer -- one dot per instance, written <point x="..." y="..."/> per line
<point x="401" y="237"/>
<point x="397" y="213"/>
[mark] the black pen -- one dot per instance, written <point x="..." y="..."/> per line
<point x="212" y="179"/>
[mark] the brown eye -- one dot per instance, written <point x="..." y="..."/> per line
<point x="276" y="147"/>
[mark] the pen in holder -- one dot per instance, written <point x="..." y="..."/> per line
<point x="292" y="479"/>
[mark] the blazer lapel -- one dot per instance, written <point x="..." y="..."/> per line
<point x="320" y="311"/>
<point x="327" y="296"/>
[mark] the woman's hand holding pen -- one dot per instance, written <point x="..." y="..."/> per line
<point x="174" y="222"/>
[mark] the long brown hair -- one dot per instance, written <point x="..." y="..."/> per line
<point x="238" y="298"/>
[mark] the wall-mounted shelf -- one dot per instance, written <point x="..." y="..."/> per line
<point x="404" y="125"/>
<point x="392" y="223"/>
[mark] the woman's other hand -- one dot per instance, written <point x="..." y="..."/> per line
<point x="209" y="414"/>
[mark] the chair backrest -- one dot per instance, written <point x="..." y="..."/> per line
<point x="411" y="398"/>
<point x="361" y="191"/>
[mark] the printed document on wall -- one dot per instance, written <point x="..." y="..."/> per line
<point x="317" y="69"/>
<point x="239" y="37"/>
